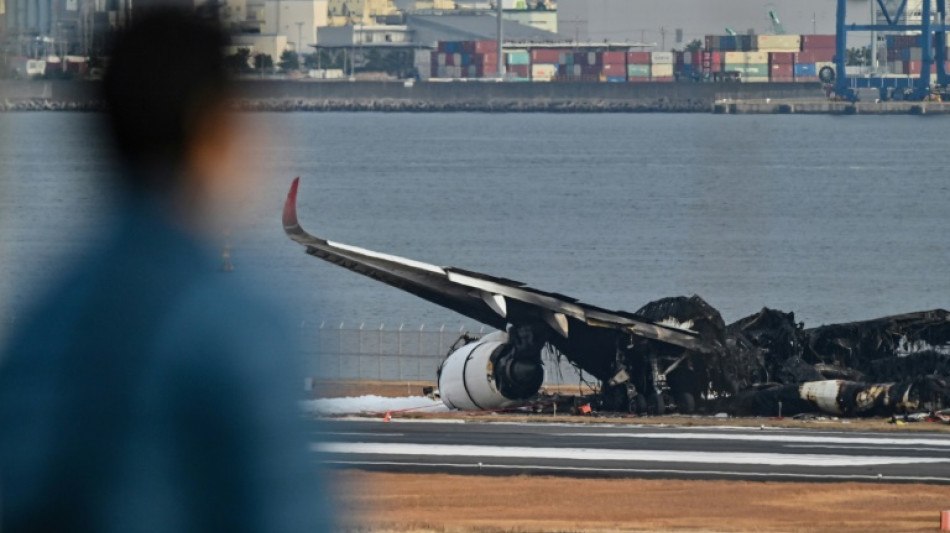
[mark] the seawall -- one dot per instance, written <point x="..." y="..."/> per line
<point x="283" y="95"/>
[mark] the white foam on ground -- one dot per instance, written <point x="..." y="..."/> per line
<point x="372" y="404"/>
<point x="591" y="454"/>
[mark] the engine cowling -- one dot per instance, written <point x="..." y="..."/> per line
<point x="497" y="371"/>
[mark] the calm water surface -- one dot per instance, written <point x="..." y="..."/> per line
<point x="835" y="218"/>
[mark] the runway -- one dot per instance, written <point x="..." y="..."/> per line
<point x="633" y="451"/>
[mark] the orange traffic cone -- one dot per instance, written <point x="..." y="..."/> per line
<point x="387" y="417"/>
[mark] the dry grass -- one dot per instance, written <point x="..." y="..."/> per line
<point x="450" y="503"/>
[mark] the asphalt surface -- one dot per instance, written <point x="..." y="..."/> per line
<point x="633" y="451"/>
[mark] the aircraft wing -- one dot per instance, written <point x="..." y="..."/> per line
<point x="490" y="300"/>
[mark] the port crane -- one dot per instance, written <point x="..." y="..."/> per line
<point x="932" y="37"/>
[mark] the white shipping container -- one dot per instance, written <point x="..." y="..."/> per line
<point x="441" y="59"/>
<point x="577" y="70"/>
<point x="661" y="58"/>
<point x="543" y="72"/>
<point x="662" y="71"/>
<point x="456" y="59"/>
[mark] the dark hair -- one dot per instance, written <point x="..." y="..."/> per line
<point x="164" y="71"/>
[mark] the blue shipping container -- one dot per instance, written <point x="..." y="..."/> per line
<point x="805" y="69"/>
<point x="616" y="79"/>
<point x="453" y="47"/>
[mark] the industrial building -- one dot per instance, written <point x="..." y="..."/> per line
<point x="673" y="23"/>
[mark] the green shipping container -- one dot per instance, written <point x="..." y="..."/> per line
<point x="638" y="71"/>
<point x="749" y="70"/>
<point x="519" y="57"/>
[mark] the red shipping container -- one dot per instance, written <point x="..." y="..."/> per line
<point x="782" y="58"/>
<point x="485" y="59"/>
<point x="912" y="67"/>
<point x="697" y="58"/>
<point x="487" y="70"/>
<point x="547" y="55"/>
<point x="810" y="42"/>
<point x="784" y="71"/>
<point x="521" y="71"/>
<point x="486" y="47"/>
<point x="638" y="58"/>
<point x="615" y="70"/>
<point x="615" y="58"/>
<point x="782" y="79"/>
<point x="819" y="55"/>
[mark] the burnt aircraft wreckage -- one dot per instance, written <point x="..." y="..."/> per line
<point x="672" y="355"/>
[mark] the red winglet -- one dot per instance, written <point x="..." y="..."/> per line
<point x="290" y="208"/>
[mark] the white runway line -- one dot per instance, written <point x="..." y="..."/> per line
<point x="765" y="437"/>
<point x="591" y="454"/>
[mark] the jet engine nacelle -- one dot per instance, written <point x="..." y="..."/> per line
<point x="492" y="373"/>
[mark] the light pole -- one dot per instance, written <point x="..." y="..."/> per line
<point x="299" y="33"/>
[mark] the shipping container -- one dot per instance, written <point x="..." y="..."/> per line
<point x="746" y="57"/>
<point x="663" y="79"/>
<point x="781" y="72"/>
<point x="518" y="71"/>
<point x="638" y="71"/>
<point x="485" y="47"/>
<point x="517" y="57"/>
<point x="611" y="70"/>
<point x="748" y="70"/>
<point x="616" y="79"/>
<point x="815" y="56"/>
<point x="638" y="80"/>
<point x="810" y="42"/>
<point x="638" y="58"/>
<point x="805" y="70"/>
<point x="661" y="58"/>
<point x="755" y="79"/>
<point x="615" y="58"/>
<point x="778" y="43"/>
<point x="547" y="55"/>
<point x="584" y="58"/>
<point x="782" y="58"/>
<point x="661" y="70"/>
<point x="543" y="71"/>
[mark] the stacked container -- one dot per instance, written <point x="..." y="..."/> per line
<point x="752" y="66"/>
<point x="465" y="59"/>
<point x="614" y="69"/>
<point x="638" y="66"/>
<point x="517" y="65"/>
<point x="782" y="67"/>
<point x="661" y="66"/>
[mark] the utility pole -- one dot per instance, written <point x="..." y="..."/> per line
<point x="501" y="39"/>
<point x="299" y="33"/>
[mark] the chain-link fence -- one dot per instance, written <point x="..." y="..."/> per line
<point x="402" y="353"/>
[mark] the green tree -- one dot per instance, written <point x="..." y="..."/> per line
<point x="239" y="62"/>
<point x="694" y="46"/>
<point x="289" y="61"/>
<point x="858" y="56"/>
<point x="263" y="62"/>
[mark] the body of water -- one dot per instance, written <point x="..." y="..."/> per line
<point x="835" y="218"/>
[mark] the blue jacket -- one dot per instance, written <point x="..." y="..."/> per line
<point x="148" y="392"/>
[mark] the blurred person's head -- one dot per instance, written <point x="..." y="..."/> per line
<point x="166" y="89"/>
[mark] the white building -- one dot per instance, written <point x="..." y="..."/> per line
<point x="298" y="20"/>
<point x="358" y="34"/>
<point x="272" y="45"/>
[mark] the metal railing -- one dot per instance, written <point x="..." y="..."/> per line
<point x="398" y="353"/>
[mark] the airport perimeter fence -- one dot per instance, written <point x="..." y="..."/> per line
<point x="346" y="351"/>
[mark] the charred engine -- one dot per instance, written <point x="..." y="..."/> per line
<point x="657" y="377"/>
<point x="502" y="369"/>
